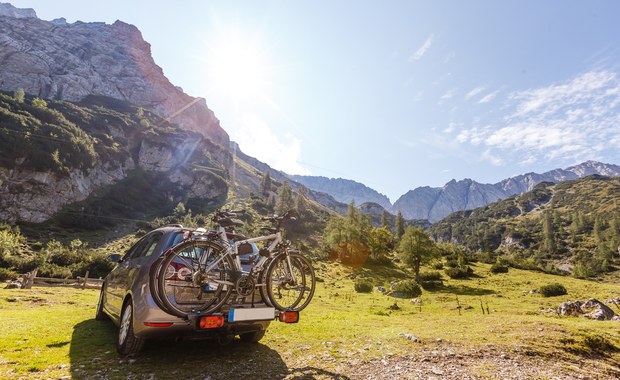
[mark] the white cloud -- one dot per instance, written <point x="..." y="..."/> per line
<point x="493" y="159"/>
<point x="588" y="87"/>
<point x="451" y="127"/>
<point x="474" y="92"/>
<point x="571" y="121"/>
<point x="420" y="52"/>
<point x="281" y="152"/>
<point x="489" y="97"/>
<point x="448" y="94"/>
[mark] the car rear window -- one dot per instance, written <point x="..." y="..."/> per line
<point x="176" y="239"/>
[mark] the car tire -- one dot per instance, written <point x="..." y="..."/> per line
<point x="252" y="337"/>
<point x="127" y="343"/>
<point x="100" y="315"/>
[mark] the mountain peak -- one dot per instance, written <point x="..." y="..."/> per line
<point x="422" y="203"/>
<point x="9" y="10"/>
<point x="73" y="61"/>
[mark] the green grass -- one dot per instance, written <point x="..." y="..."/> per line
<point x="51" y="332"/>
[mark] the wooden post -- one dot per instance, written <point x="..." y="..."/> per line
<point x="29" y="279"/>
<point x="85" y="279"/>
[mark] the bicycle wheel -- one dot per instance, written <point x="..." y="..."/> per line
<point x="290" y="287"/>
<point x="310" y="280"/>
<point x="195" y="276"/>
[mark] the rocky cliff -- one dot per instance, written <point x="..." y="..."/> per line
<point x="57" y="60"/>
<point x="343" y="190"/>
<point x="53" y="157"/>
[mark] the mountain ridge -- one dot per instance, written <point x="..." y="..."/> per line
<point x="434" y="203"/>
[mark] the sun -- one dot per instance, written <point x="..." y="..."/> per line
<point x="239" y="68"/>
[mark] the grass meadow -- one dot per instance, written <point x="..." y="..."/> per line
<point x="50" y="332"/>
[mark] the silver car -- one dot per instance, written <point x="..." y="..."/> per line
<point x="128" y="298"/>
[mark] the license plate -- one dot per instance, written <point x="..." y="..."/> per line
<point x="256" y="314"/>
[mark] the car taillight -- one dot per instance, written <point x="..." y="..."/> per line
<point x="177" y="272"/>
<point x="289" y="316"/>
<point x="158" y="324"/>
<point x="211" y="322"/>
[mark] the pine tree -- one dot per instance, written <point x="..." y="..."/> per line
<point x="265" y="183"/>
<point x="549" y="243"/>
<point x="19" y="95"/>
<point x="400" y="226"/>
<point x="301" y="202"/>
<point x="284" y="202"/>
<point x="416" y="248"/>
<point x="385" y="221"/>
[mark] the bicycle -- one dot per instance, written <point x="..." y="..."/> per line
<point x="200" y="274"/>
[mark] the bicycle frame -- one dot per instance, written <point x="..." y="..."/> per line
<point x="233" y="249"/>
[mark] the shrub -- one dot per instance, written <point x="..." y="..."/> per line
<point x="552" y="290"/>
<point x="431" y="285"/>
<point x="363" y="286"/>
<point x="409" y="288"/>
<point x="459" y="272"/>
<point x="438" y="265"/>
<point x="39" y="103"/>
<point x="499" y="268"/>
<point x="7" y="274"/>
<point x="54" y="271"/>
<point x="430" y="276"/>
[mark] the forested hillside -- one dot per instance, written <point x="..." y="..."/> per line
<point x="573" y="225"/>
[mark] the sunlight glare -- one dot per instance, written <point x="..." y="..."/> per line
<point x="239" y="68"/>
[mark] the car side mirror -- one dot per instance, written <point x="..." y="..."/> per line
<point x="116" y="258"/>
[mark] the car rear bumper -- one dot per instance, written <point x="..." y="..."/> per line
<point x="153" y="322"/>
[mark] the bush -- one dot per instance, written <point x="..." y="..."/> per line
<point x="438" y="265"/>
<point x="7" y="274"/>
<point x="459" y="272"/>
<point x="430" y="276"/>
<point x="431" y="285"/>
<point x="363" y="286"/>
<point x="499" y="268"/>
<point x="452" y="263"/>
<point x="54" y="271"/>
<point x="552" y="290"/>
<point x="409" y="288"/>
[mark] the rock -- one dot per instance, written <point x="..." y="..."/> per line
<point x="71" y="61"/>
<point x="381" y="289"/>
<point x="410" y="337"/>
<point x="9" y="10"/>
<point x="601" y="311"/>
<point x="13" y="285"/>
<point x="416" y="301"/>
<point x="394" y="307"/>
<point x="570" y="308"/>
<point x="613" y="301"/>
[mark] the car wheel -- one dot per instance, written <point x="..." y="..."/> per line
<point x="252" y="337"/>
<point x="128" y="343"/>
<point x="100" y="315"/>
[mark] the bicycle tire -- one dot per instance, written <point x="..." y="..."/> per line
<point x="310" y="278"/>
<point x="184" y="284"/>
<point x="290" y="293"/>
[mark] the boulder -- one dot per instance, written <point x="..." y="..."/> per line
<point x="570" y="308"/>
<point x="598" y="310"/>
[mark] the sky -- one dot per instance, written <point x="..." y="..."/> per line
<point x="396" y="94"/>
